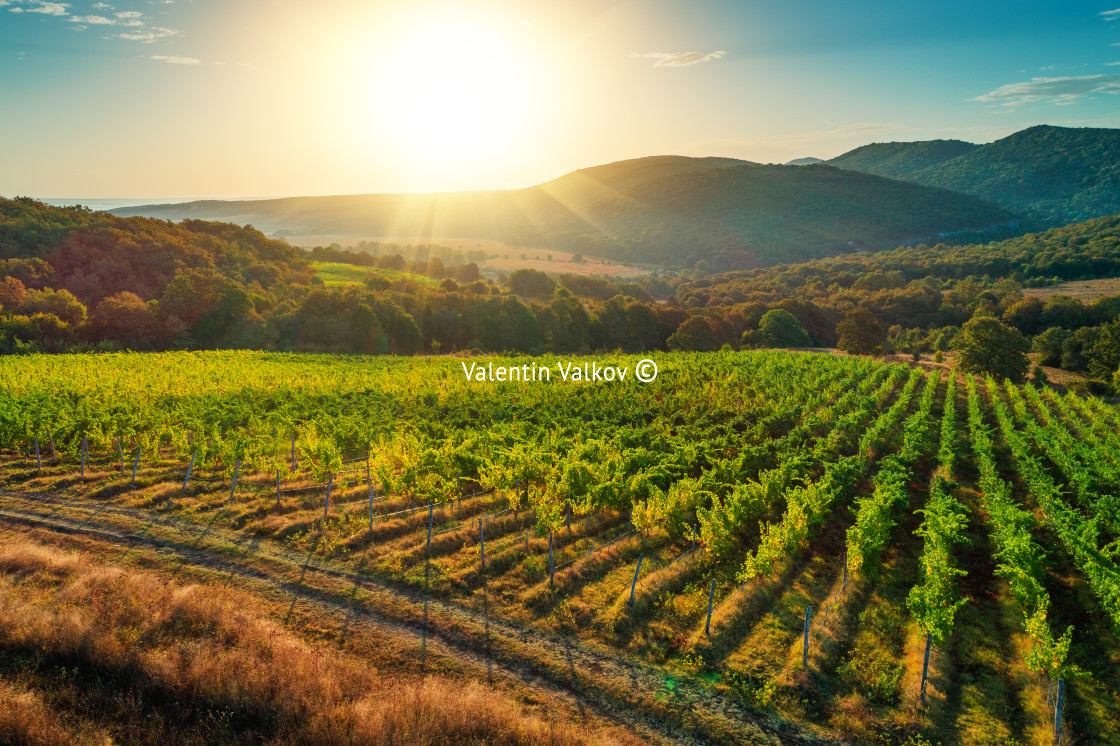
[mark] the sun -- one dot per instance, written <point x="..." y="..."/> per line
<point x="451" y="93"/>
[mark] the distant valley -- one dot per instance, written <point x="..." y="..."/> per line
<point x="726" y="213"/>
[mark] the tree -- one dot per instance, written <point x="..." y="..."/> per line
<point x="780" y="328"/>
<point x="124" y="317"/>
<point x="987" y="345"/>
<point x="694" y="335"/>
<point x="436" y="269"/>
<point x="60" y="303"/>
<point x="566" y="323"/>
<point x="467" y="273"/>
<point x="405" y="337"/>
<point x="531" y="283"/>
<point x="1048" y="345"/>
<point x="860" y="333"/>
<point x="1026" y="316"/>
<point x="12" y="293"/>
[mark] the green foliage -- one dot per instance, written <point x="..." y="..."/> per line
<point x="780" y="328"/>
<point x="935" y="601"/>
<point x="986" y="345"/>
<point x="694" y="335"/>
<point x="1052" y="174"/>
<point x="1080" y="536"/>
<point x="859" y="333"/>
<point x="900" y="160"/>
<point x="875" y="517"/>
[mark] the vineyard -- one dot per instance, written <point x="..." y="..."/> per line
<point x="757" y="547"/>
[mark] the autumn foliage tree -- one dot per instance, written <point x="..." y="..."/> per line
<point x="859" y="333"/>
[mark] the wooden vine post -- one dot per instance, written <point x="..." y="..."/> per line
<point x="551" y="566"/>
<point x="429" y="546"/>
<point x="1058" y="710"/>
<point x="190" y="466"/>
<point x="637" y="572"/>
<point x="805" y="647"/>
<point x="135" y="466"/>
<point x="711" y="596"/>
<point x="481" y="544"/>
<point x="236" y="471"/>
<point x="925" y="668"/>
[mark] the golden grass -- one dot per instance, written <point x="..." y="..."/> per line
<point x="26" y="719"/>
<point x="200" y="643"/>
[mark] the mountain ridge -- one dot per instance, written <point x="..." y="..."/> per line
<point x="1054" y="175"/>
<point x="666" y="210"/>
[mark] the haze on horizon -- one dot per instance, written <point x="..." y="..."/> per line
<point x="165" y="98"/>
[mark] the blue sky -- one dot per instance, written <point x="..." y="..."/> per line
<point x="244" y="98"/>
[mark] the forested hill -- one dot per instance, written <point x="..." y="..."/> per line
<point x="1055" y="175"/>
<point x="667" y="210"/>
<point x="95" y="255"/>
<point x="754" y="216"/>
<point x="1079" y="251"/>
<point x="901" y="160"/>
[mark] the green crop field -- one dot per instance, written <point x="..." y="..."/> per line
<point x="755" y="547"/>
<point x="334" y="274"/>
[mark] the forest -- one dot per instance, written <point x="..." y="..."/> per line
<point x="1050" y="175"/>
<point x="74" y="280"/>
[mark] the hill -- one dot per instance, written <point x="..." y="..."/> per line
<point x="665" y="210"/>
<point x="1055" y="175"/>
<point x="754" y="216"/>
<point x="1076" y="252"/>
<point x="95" y="255"/>
<point x="901" y="160"/>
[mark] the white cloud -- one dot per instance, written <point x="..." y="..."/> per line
<point x="1063" y="90"/>
<point x="679" y="59"/>
<point x="93" y="20"/>
<point x="102" y="6"/>
<point x="150" y="35"/>
<point x="50" y="9"/>
<point x="173" y="60"/>
<point x="1110" y="15"/>
<point x="129" y="14"/>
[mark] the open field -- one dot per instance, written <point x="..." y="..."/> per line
<point x="1083" y="290"/>
<point x="503" y="257"/>
<point x="577" y="533"/>
<point x="335" y="274"/>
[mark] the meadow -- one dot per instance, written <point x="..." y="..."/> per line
<point x="757" y="547"/>
<point x="336" y="274"/>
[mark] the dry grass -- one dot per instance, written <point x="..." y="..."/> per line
<point x="561" y="261"/>
<point x="26" y="719"/>
<point x="1084" y="290"/>
<point x="214" y="648"/>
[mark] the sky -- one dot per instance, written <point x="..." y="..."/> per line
<point x="160" y="99"/>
